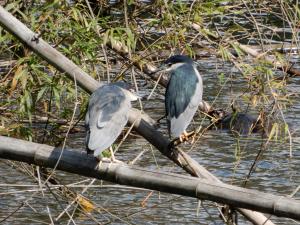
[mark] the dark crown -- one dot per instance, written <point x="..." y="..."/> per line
<point x="179" y="59"/>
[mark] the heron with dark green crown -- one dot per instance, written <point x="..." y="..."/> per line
<point x="183" y="94"/>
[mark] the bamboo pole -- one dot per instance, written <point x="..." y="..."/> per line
<point x="140" y="120"/>
<point x="80" y="163"/>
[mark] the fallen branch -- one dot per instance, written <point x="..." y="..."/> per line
<point x="79" y="162"/>
<point x="140" y="120"/>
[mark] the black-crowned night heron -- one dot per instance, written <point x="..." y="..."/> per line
<point x="183" y="94"/>
<point x="106" y="116"/>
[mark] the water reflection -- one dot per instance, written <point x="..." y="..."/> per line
<point x="223" y="154"/>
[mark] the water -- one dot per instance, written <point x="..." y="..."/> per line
<point x="219" y="151"/>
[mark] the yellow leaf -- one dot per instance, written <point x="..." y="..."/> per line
<point x="86" y="204"/>
<point x="15" y="79"/>
<point x="274" y="132"/>
<point x="254" y="100"/>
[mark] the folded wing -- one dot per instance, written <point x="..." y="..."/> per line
<point x="106" y="117"/>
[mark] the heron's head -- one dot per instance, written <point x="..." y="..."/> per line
<point x="128" y="90"/>
<point x="174" y="62"/>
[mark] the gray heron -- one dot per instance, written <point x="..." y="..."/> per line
<point x="107" y="115"/>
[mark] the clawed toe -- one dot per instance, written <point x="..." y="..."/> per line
<point x="184" y="137"/>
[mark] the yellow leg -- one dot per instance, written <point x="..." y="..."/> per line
<point x="185" y="136"/>
<point x="112" y="159"/>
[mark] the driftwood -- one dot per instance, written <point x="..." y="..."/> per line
<point x="80" y="163"/>
<point x="140" y="120"/>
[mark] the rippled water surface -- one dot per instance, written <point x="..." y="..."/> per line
<point x="225" y="156"/>
<point x="220" y="152"/>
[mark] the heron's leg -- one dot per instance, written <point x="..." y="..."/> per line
<point x="100" y="158"/>
<point x="112" y="154"/>
<point x="193" y="138"/>
<point x="190" y="134"/>
<point x="182" y="138"/>
<point x="112" y="157"/>
<point x="185" y="136"/>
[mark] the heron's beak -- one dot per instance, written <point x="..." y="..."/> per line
<point x="161" y="68"/>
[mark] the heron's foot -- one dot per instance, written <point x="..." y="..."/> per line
<point x="185" y="136"/>
<point x="107" y="160"/>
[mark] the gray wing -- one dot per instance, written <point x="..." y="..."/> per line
<point x="106" y="117"/>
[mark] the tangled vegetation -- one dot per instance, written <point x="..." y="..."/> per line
<point x="116" y="40"/>
<point x="87" y="34"/>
